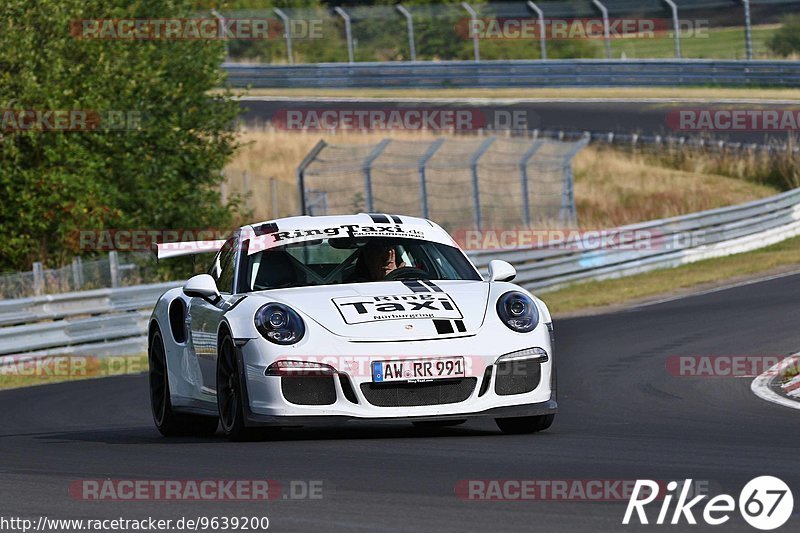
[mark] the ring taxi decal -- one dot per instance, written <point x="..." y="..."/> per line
<point x="360" y="309"/>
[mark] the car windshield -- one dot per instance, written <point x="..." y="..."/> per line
<point x="347" y="260"/>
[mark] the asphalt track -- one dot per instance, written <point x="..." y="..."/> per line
<point x="623" y="416"/>
<point x="648" y="118"/>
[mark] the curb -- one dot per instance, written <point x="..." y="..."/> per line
<point x="768" y="385"/>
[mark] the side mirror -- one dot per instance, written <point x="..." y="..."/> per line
<point x="202" y="286"/>
<point x="501" y="270"/>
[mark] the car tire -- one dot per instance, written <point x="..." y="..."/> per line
<point x="168" y="422"/>
<point x="427" y="424"/>
<point x="524" y="424"/>
<point x="230" y="400"/>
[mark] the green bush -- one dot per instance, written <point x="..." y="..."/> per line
<point x="786" y="40"/>
<point x="162" y="174"/>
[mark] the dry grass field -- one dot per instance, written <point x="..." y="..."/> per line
<point x="612" y="187"/>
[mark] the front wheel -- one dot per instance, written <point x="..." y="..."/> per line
<point x="168" y="422"/>
<point x="230" y="397"/>
<point x="524" y="424"/>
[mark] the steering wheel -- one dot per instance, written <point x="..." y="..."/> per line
<point x="406" y="273"/>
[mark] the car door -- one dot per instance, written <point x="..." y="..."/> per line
<point x="204" y="317"/>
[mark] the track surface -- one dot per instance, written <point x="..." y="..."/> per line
<point x="622" y="417"/>
<point x="645" y="118"/>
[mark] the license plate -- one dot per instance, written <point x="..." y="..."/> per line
<point x="415" y="370"/>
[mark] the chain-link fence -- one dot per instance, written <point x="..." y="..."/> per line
<point x="114" y="270"/>
<point x="553" y="29"/>
<point x="466" y="183"/>
<point x="263" y="197"/>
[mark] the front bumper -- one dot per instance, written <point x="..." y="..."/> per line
<point x="265" y="404"/>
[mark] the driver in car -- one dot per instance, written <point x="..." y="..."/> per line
<point x="378" y="260"/>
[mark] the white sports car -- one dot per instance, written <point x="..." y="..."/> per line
<point x="325" y="319"/>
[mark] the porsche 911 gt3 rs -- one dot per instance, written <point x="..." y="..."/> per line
<point x="294" y="325"/>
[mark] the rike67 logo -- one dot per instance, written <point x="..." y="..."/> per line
<point x="765" y="503"/>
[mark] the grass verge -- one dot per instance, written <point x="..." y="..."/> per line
<point x="713" y="94"/>
<point x="694" y="276"/>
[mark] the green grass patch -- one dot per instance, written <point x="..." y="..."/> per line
<point x="720" y="43"/>
<point x="611" y="93"/>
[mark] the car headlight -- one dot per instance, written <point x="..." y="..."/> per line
<point x="280" y="324"/>
<point x="518" y="311"/>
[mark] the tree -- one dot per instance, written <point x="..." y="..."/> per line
<point x="159" y="170"/>
<point x="786" y="40"/>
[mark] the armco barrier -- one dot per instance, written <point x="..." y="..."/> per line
<point x="707" y="234"/>
<point x="517" y="73"/>
<point x="114" y="321"/>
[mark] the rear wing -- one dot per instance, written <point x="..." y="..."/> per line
<point x="168" y="250"/>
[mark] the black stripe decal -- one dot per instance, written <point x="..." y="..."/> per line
<point x="379" y="219"/>
<point x="415" y="285"/>
<point x="433" y="286"/>
<point x="396" y="219"/>
<point x="443" y="327"/>
<point x="460" y="326"/>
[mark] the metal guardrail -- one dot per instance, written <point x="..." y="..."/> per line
<point x="657" y="244"/>
<point x="95" y="322"/>
<point x="113" y="321"/>
<point x="517" y="73"/>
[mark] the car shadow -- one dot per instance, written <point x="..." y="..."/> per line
<point x="146" y="435"/>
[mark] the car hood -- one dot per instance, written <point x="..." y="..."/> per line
<point x="391" y="310"/>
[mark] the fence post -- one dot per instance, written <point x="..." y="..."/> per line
<point x="410" y="24"/>
<point x="223" y="194"/>
<point x="473" y="166"/>
<point x="301" y="173"/>
<point x="369" y="201"/>
<point x="423" y="186"/>
<point x="542" y="39"/>
<point x="222" y="31"/>
<point x="77" y="278"/>
<point x="348" y="32"/>
<point x="748" y="30"/>
<point x="38" y="279"/>
<point x="568" y="212"/>
<point x="287" y="33"/>
<point x="473" y="28"/>
<point x="113" y="267"/>
<point x="246" y="187"/>
<point x="606" y="32"/>
<point x="523" y="175"/>
<point x="676" y="25"/>
<point x="273" y="193"/>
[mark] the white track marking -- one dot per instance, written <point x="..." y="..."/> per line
<point x="761" y="385"/>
